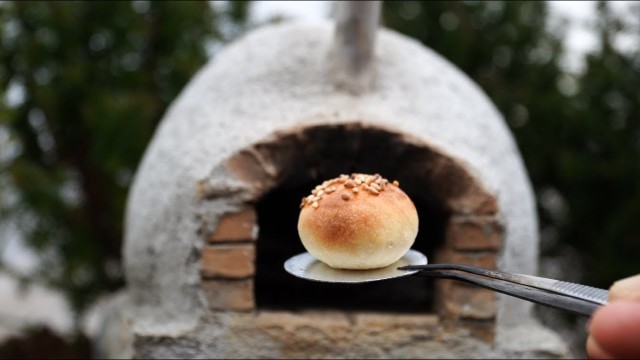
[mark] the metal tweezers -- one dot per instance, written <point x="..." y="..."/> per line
<point x="575" y="298"/>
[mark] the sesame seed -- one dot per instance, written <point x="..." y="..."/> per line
<point x="355" y="182"/>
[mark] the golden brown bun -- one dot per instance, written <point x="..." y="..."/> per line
<point x="358" y="222"/>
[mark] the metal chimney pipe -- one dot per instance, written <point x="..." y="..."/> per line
<point x="352" y="52"/>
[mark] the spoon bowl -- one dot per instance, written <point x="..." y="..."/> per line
<point x="307" y="267"/>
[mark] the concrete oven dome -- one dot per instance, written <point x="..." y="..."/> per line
<point x="236" y="131"/>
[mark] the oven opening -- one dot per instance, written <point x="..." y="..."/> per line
<point x="278" y="239"/>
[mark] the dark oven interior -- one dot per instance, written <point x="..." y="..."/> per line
<point x="324" y="153"/>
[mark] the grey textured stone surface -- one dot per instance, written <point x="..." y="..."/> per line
<point x="276" y="78"/>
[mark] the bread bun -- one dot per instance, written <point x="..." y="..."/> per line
<point x="358" y="222"/>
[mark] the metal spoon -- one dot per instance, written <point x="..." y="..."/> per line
<point x="307" y="267"/>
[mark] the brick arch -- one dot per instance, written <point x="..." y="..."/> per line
<point x="473" y="233"/>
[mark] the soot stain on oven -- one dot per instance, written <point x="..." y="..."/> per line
<point x="336" y="151"/>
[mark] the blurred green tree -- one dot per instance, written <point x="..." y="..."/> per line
<point x="597" y="161"/>
<point x="85" y="85"/>
<point x="578" y="133"/>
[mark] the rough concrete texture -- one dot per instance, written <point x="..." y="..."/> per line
<point x="325" y="334"/>
<point x="276" y="78"/>
<point x="114" y="339"/>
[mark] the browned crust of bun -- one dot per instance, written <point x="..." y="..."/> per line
<point x="336" y="220"/>
<point x="373" y="218"/>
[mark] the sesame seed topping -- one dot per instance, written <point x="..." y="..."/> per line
<point x="373" y="184"/>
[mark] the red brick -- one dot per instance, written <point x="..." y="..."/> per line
<point x="228" y="261"/>
<point x="481" y="329"/>
<point x="474" y="201"/>
<point x="457" y="187"/>
<point x="469" y="302"/>
<point x="474" y="233"/>
<point x="487" y="205"/>
<point x="240" y="226"/>
<point x="236" y="295"/>
<point x="254" y="169"/>
<point x="442" y="295"/>
<point x="483" y="259"/>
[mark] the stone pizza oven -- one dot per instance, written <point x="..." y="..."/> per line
<point x="212" y="213"/>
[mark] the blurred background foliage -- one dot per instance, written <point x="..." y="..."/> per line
<point x="83" y="85"/>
